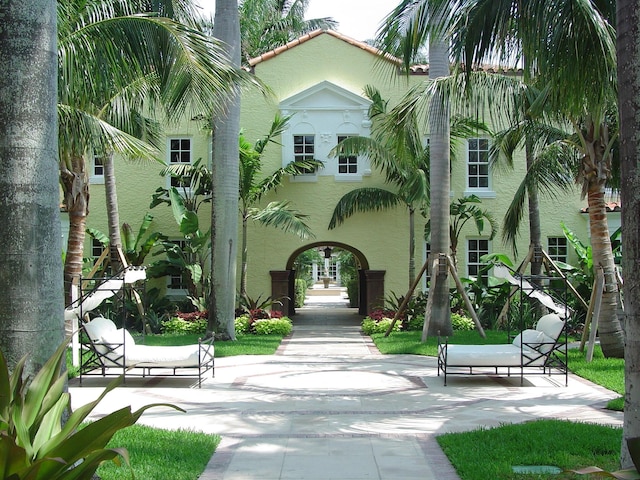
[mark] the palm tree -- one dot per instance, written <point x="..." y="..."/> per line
<point x="585" y="39"/>
<point x="268" y="24"/>
<point x="403" y="34"/>
<point x="225" y="173"/>
<point x="628" y="95"/>
<point x="145" y="62"/>
<point x="31" y="309"/>
<point x="253" y="186"/>
<point x="397" y="149"/>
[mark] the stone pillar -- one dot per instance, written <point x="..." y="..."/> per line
<point x="280" y="290"/>
<point x="374" y="288"/>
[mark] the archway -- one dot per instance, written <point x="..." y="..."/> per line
<point x="370" y="282"/>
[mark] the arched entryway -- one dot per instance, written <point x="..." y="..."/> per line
<point x="371" y="282"/>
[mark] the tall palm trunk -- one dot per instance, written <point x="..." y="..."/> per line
<point x="75" y="184"/>
<point x="412" y="245"/>
<point x="439" y="179"/>
<point x="595" y="170"/>
<point x="628" y="47"/>
<point x="245" y="255"/>
<point x="113" y="216"/>
<point x="535" y="232"/>
<point x="31" y="308"/>
<point x="609" y="328"/>
<point x="225" y="174"/>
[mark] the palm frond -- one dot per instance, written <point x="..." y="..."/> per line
<point x="280" y="215"/>
<point x="363" y="200"/>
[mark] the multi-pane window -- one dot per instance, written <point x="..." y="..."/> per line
<point x="304" y="149"/>
<point x="178" y="281"/>
<point x="478" y="163"/>
<point x="96" y="248"/>
<point x="98" y="166"/>
<point x="557" y="249"/>
<point x="179" y="154"/>
<point x="476" y="248"/>
<point x="347" y="164"/>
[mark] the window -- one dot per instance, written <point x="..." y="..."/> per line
<point x="304" y="149"/>
<point x="179" y="154"/>
<point x="98" y="166"/>
<point x="347" y="164"/>
<point x="178" y="282"/>
<point x="96" y="170"/>
<point x="557" y="249"/>
<point x="478" y="163"/>
<point x="476" y="248"/>
<point x="96" y="248"/>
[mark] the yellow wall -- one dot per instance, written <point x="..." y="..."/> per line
<point x="382" y="236"/>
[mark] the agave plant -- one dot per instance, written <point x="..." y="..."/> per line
<point x="36" y="444"/>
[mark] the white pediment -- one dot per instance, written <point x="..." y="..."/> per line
<point x="325" y="96"/>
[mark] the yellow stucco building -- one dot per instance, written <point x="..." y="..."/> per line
<point x="319" y="79"/>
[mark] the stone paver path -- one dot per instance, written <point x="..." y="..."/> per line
<point x="328" y="405"/>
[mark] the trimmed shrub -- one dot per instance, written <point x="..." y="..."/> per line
<point x="267" y="326"/>
<point x="371" y="326"/>
<point x="301" y="292"/>
<point x="462" y="323"/>
<point x="352" y="291"/>
<point x="243" y="325"/>
<point x="416" y="322"/>
<point x="180" y="326"/>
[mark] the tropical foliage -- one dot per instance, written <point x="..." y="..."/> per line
<point x="118" y="61"/>
<point x="34" y="441"/>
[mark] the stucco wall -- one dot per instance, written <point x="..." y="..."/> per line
<point x="381" y="236"/>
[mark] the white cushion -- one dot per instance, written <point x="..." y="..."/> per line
<point x="551" y="325"/>
<point x="99" y="326"/>
<point x="531" y="338"/>
<point x="116" y="338"/>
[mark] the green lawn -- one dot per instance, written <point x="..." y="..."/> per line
<point x="157" y="454"/>
<point x="491" y="453"/>
<point x="244" y="345"/>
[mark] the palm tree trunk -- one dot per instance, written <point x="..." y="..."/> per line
<point x="609" y="328"/>
<point x="535" y="232"/>
<point x="225" y="174"/>
<point x="245" y="254"/>
<point x="439" y="179"/>
<point x="628" y="46"/>
<point x="412" y="246"/>
<point x="75" y="185"/>
<point x="31" y="308"/>
<point x="113" y="216"/>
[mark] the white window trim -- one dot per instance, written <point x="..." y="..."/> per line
<point x="306" y="177"/>
<point x="481" y="192"/>
<point x="168" y="153"/>
<point x="93" y="178"/>
<point x="466" y="252"/>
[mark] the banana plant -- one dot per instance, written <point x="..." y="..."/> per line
<point x="35" y="442"/>
<point x="191" y="256"/>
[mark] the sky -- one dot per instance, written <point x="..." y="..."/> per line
<point x="358" y="19"/>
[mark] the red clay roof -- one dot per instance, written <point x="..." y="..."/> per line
<point x="610" y="207"/>
<point x="315" y="33"/>
<point x="422" y="69"/>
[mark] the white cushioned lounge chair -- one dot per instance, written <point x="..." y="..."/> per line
<point x="109" y="350"/>
<point x="540" y="350"/>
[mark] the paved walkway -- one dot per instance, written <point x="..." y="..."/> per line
<point x="328" y="405"/>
